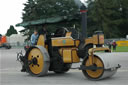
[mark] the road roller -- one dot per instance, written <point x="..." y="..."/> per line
<point x="57" y="52"/>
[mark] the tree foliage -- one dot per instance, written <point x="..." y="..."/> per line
<point x="11" y="31"/>
<point x="124" y="15"/>
<point x="42" y="9"/>
<point x="110" y="16"/>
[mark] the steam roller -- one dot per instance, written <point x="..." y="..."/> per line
<point x="58" y="51"/>
<point x="58" y="57"/>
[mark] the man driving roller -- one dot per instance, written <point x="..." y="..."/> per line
<point x="34" y="37"/>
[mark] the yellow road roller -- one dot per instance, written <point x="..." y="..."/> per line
<point x="57" y="52"/>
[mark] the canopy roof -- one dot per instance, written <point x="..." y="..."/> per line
<point x="46" y="21"/>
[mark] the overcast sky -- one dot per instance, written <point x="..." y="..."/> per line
<point x="10" y="14"/>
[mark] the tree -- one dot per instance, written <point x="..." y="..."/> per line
<point x="105" y="15"/>
<point x="124" y="15"/>
<point x="110" y="16"/>
<point x="41" y="9"/>
<point x="11" y="31"/>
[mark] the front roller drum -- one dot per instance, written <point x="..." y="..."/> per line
<point x="100" y="72"/>
<point x="39" y="59"/>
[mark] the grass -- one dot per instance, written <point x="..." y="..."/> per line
<point x="121" y="49"/>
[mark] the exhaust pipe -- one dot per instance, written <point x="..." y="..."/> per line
<point x="83" y="11"/>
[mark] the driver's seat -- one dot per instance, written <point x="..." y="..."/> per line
<point x="61" y="32"/>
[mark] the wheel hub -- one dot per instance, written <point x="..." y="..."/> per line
<point x="95" y="67"/>
<point x="35" y="61"/>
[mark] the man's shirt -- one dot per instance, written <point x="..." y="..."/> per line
<point x="34" y="39"/>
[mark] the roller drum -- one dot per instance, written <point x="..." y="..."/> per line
<point x="106" y="61"/>
<point x="40" y="61"/>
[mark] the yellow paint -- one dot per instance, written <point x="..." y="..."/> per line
<point x="101" y="39"/>
<point x="122" y="43"/>
<point x="41" y="41"/>
<point x="67" y="56"/>
<point x="91" y="59"/>
<point x="75" y="57"/>
<point x="92" y="50"/>
<point x="63" y="41"/>
<point x="95" y="39"/>
<point x="35" y="52"/>
<point x="77" y="42"/>
<point x="91" y="53"/>
<point x="68" y="34"/>
<point x="89" y="40"/>
<point x="98" y="72"/>
<point x="101" y="49"/>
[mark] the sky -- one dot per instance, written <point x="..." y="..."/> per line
<point x="10" y="14"/>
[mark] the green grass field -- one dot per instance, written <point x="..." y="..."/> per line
<point x="121" y="49"/>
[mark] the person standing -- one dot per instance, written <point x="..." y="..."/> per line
<point x="34" y="37"/>
<point x="114" y="46"/>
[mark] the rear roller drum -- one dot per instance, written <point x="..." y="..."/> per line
<point x="93" y="74"/>
<point x="97" y="74"/>
<point x="39" y="61"/>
